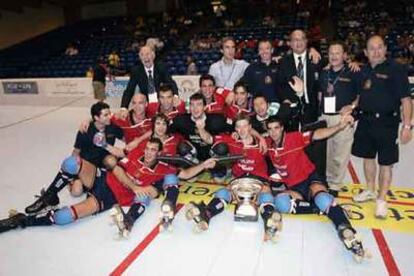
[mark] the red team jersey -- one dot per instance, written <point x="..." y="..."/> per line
<point x="233" y="111"/>
<point x="154" y="108"/>
<point x="254" y="162"/>
<point x="169" y="147"/>
<point x="219" y="103"/>
<point x="130" y="129"/>
<point x="142" y="175"/>
<point x="289" y="159"/>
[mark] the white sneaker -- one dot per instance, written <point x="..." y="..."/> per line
<point x="381" y="209"/>
<point x="364" y="196"/>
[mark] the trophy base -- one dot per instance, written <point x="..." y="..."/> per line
<point x="246" y="212"/>
<point x="245" y="218"/>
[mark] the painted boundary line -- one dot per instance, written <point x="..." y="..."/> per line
<point x="41" y="114"/>
<point x="385" y="250"/>
<point x="139" y="248"/>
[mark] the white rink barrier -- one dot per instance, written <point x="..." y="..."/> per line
<point x="82" y="87"/>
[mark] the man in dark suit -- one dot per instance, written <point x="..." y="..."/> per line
<point x="304" y="105"/>
<point x="148" y="76"/>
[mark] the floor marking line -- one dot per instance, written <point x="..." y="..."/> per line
<point x="386" y="253"/>
<point x="41" y="114"/>
<point x="139" y="248"/>
<point x="353" y="173"/>
<point x="383" y="247"/>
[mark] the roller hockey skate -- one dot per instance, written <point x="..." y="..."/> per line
<point x="353" y="243"/>
<point x="122" y="221"/>
<point x="198" y="213"/>
<point x="273" y="226"/>
<point x="45" y="202"/>
<point x="14" y="221"/>
<point x="167" y="215"/>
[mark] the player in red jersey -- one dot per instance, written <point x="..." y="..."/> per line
<point x="307" y="192"/>
<point x="136" y="123"/>
<point x="243" y="103"/>
<point x="134" y="182"/>
<point x="217" y="98"/>
<point x="167" y="104"/>
<point x="160" y="131"/>
<point x="253" y="164"/>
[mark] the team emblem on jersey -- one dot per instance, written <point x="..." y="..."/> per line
<point x="367" y="84"/>
<point x="268" y="80"/>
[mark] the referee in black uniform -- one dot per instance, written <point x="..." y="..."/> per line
<point x="384" y="100"/>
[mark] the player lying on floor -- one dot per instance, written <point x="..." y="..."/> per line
<point x="130" y="182"/>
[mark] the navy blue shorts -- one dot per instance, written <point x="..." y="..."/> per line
<point x="374" y="138"/>
<point x="303" y="187"/>
<point x="102" y="193"/>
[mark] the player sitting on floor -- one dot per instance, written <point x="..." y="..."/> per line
<point x="306" y="191"/>
<point x="79" y="169"/>
<point x="134" y="182"/>
<point x="252" y="165"/>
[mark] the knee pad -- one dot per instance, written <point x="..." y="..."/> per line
<point x="63" y="216"/>
<point x="283" y="203"/>
<point x="144" y="200"/>
<point x="110" y="162"/>
<point x="71" y="165"/>
<point x="170" y="180"/>
<point x="223" y="194"/>
<point x="265" y="199"/>
<point x="324" y="201"/>
<point x="219" y="149"/>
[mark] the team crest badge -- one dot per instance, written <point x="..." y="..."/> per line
<point x="367" y="84"/>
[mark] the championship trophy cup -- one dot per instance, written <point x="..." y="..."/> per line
<point x="245" y="190"/>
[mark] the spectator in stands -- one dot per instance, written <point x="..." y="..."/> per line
<point x="114" y="60"/>
<point x="228" y="70"/>
<point x="89" y="73"/>
<point x="99" y="79"/>
<point x="155" y="43"/>
<point x="147" y="76"/>
<point x="135" y="45"/>
<point x="71" y="50"/>
<point x="191" y="66"/>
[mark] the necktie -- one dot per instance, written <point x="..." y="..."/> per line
<point x="299" y="70"/>
<point x="151" y="85"/>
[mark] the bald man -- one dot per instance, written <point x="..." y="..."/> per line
<point x="384" y="101"/>
<point x="146" y="78"/>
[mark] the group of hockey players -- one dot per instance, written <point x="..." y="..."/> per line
<point x="232" y="134"/>
<point x="205" y="138"/>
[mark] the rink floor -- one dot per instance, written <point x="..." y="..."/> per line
<point x="35" y="138"/>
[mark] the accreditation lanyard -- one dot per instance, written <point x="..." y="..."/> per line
<point x="330" y="98"/>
